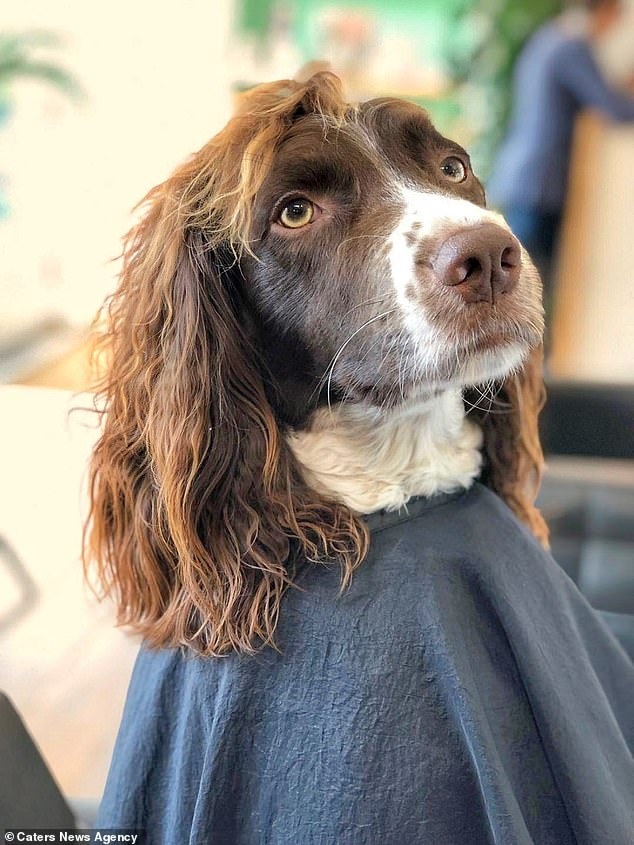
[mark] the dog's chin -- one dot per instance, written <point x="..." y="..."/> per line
<point x="490" y="361"/>
<point x="492" y="364"/>
<point x="462" y="370"/>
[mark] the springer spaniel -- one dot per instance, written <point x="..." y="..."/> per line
<point x="312" y="315"/>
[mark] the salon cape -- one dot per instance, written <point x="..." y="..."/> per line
<point x="460" y="692"/>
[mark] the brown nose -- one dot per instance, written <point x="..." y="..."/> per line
<point x="481" y="263"/>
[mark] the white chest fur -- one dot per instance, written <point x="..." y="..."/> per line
<point x="370" y="460"/>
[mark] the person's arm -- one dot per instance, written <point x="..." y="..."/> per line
<point x="580" y="74"/>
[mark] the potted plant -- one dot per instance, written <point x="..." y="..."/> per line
<point x="26" y="55"/>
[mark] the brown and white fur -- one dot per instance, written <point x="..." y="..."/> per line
<point x="270" y="383"/>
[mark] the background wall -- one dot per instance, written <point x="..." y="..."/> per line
<point x="156" y="80"/>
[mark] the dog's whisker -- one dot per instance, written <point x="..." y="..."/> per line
<point x="343" y="346"/>
<point x="373" y="301"/>
<point x="358" y="368"/>
<point x="361" y="237"/>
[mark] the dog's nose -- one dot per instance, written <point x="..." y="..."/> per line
<point x="481" y="263"/>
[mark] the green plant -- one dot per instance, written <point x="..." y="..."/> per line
<point x="20" y="56"/>
<point x="481" y="64"/>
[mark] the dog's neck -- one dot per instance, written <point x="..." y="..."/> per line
<point x="372" y="460"/>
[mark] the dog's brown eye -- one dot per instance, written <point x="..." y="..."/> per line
<point x="454" y="169"/>
<point x="297" y="213"/>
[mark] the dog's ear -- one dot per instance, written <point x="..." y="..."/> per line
<point x="513" y="458"/>
<point x="196" y="501"/>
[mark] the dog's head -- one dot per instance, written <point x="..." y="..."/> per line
<point x="312" y="254"/>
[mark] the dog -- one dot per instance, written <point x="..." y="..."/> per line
<point x="318" y="318"/>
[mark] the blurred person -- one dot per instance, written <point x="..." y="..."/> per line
<point x="556" y="77"/>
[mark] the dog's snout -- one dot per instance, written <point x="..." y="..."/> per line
<point x="481" y="262"/>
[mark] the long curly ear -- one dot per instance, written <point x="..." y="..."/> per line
<point x="513" y="458"/>
<point x="196" y="503"/>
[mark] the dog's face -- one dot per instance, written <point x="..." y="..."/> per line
<point x="379" y="275"/>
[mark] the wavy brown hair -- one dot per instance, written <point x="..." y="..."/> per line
<point x="513" y="457"/>
<point x="198" y="508"/>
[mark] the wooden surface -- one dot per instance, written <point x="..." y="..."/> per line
<point x="71" y="371"/>
<point x="593" y="324"/>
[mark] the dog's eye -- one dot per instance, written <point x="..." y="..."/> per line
<point x="454" y="169"/>
<point x="297" y="213"/>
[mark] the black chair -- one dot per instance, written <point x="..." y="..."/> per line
<point x="29" y="795"/>
<point x="591" y="517"/>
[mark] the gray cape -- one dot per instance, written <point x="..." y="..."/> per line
<point x="460" y="692"/>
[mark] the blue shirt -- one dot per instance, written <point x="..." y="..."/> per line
<point x="555" y="77"/>
<point x="460" y="692"/>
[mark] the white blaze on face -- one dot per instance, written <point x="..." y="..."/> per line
<point x="428" y="215"/>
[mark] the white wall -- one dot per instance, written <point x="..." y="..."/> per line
<point x="157" y="81"/>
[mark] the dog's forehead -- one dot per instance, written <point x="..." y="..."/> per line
<point x="321" y="136"/>
<point x="406" y="137"/>
<point x="388" y="125"/>
<point x="380" y="141"/>
<point x="369" y="160"/>
<point x="388" y="118"/>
